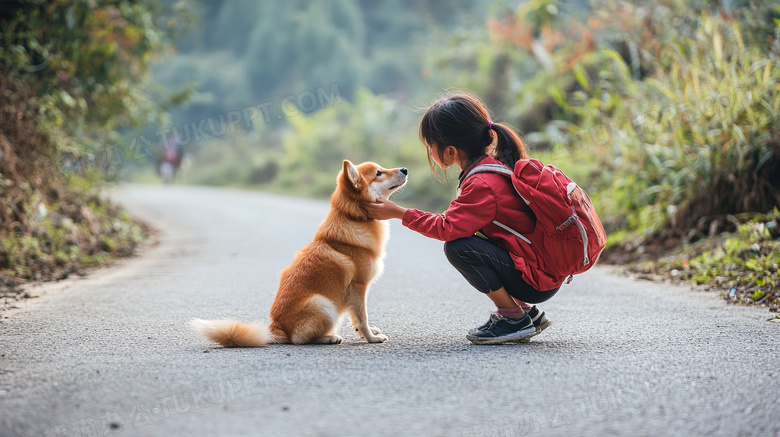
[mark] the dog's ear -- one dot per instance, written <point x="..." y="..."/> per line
<point x="351" y="174"/>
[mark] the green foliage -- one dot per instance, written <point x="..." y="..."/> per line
<point x="749" y="256"/>
<point x="705" y="114"/>
<point x="268" y="50"/>
<point x="745" y="264"/>
<point x="63" y="236"/>
<point x="71" y="77"/>
<point x="85" y="63"/>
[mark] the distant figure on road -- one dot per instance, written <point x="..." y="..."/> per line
<point x="171" y="161"/>
<point x="484" y="226"/>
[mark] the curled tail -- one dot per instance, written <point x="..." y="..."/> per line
<point x="232" y="333"/>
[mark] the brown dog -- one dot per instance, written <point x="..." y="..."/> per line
<point x="330" y="276"/>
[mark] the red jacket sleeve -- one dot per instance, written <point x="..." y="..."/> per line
<point x="471" y="211"/>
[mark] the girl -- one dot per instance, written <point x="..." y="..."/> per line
<point x="457" y="130"/>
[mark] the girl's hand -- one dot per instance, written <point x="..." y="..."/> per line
<point x="384" y="209"/>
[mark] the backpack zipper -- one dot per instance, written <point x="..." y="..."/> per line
<point x="571" y="186"/>
<point x="585" y="258"/>
<point x="576" y="220"/>
<point x="567" y="222"/>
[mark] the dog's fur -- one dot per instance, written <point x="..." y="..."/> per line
<point x="330" y="276"/>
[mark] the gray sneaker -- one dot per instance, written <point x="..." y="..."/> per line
<point x="540" y="320"/>
<point x="504" y="329"/>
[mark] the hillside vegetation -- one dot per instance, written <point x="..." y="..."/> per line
<point x="68" y="77"/>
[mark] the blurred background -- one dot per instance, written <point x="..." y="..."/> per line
<point x="665" y="111"/>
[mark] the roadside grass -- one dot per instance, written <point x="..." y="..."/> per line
<point x="744" y="265"/>
<point x="62" y="237"/>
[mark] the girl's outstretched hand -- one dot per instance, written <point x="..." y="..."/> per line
<point x="384" y="209"/>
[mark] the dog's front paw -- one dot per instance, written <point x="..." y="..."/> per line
<point x="375" y="330"/>
<point x="377" y="339"/>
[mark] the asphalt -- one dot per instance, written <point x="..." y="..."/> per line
<point x="113" y="353"/>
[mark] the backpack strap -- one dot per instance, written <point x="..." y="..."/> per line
<point x="493" y="168"/>
<point x="489" y="168"/>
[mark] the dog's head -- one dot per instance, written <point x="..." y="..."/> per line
<point x="369" y="181"/>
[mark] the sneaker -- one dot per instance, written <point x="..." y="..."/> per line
<point x="503" y="329"/>
<point x="485" y="325"/>
<point x="541" y="322"/>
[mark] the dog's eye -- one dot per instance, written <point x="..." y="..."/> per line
<point x="378" y="173"/>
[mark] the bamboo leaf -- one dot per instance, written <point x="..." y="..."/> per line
<point x="666" y="91"/>
<point x="717" y="44"/>
<point x="767" y="70"/>
<point x="764" y="158"/>
<point x="619" y="62"/>
<point x="579" y="74"/>
<point x="738" y="35"/>
<point x="740" y="134"/>
<point x="558" y="97"/>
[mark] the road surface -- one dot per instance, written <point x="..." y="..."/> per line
<point x="113" y="353"/>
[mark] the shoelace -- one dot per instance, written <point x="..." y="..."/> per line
<point x="494" y="318"/>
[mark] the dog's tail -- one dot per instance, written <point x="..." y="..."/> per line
<point x="232" y="333"/>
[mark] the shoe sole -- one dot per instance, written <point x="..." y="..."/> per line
<point x="515" y="336"/>
<point x="541" y="328"/>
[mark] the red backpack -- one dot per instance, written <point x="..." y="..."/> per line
<point x="568" y="237"/>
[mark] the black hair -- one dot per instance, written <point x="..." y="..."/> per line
<point x="461" y="120"/>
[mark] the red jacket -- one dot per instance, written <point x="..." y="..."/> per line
<point x="482" y="199"/>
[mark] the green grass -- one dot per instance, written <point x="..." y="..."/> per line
<point x="80" y="231"/>
<point x="744" y="265"/>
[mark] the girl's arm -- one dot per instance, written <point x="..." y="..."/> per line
<point x="474" y="209"/>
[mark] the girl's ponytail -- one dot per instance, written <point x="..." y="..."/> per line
<point x="509" y="146"/>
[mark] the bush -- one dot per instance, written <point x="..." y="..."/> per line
<point x="694" y="142"/>
<point x="68" y="81"/>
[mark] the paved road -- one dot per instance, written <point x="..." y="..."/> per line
<point x="113" y="353"/>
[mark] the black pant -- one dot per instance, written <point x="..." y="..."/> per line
<point x="488" y="267"/>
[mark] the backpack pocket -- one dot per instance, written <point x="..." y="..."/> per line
<point x="565" y="252"/>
